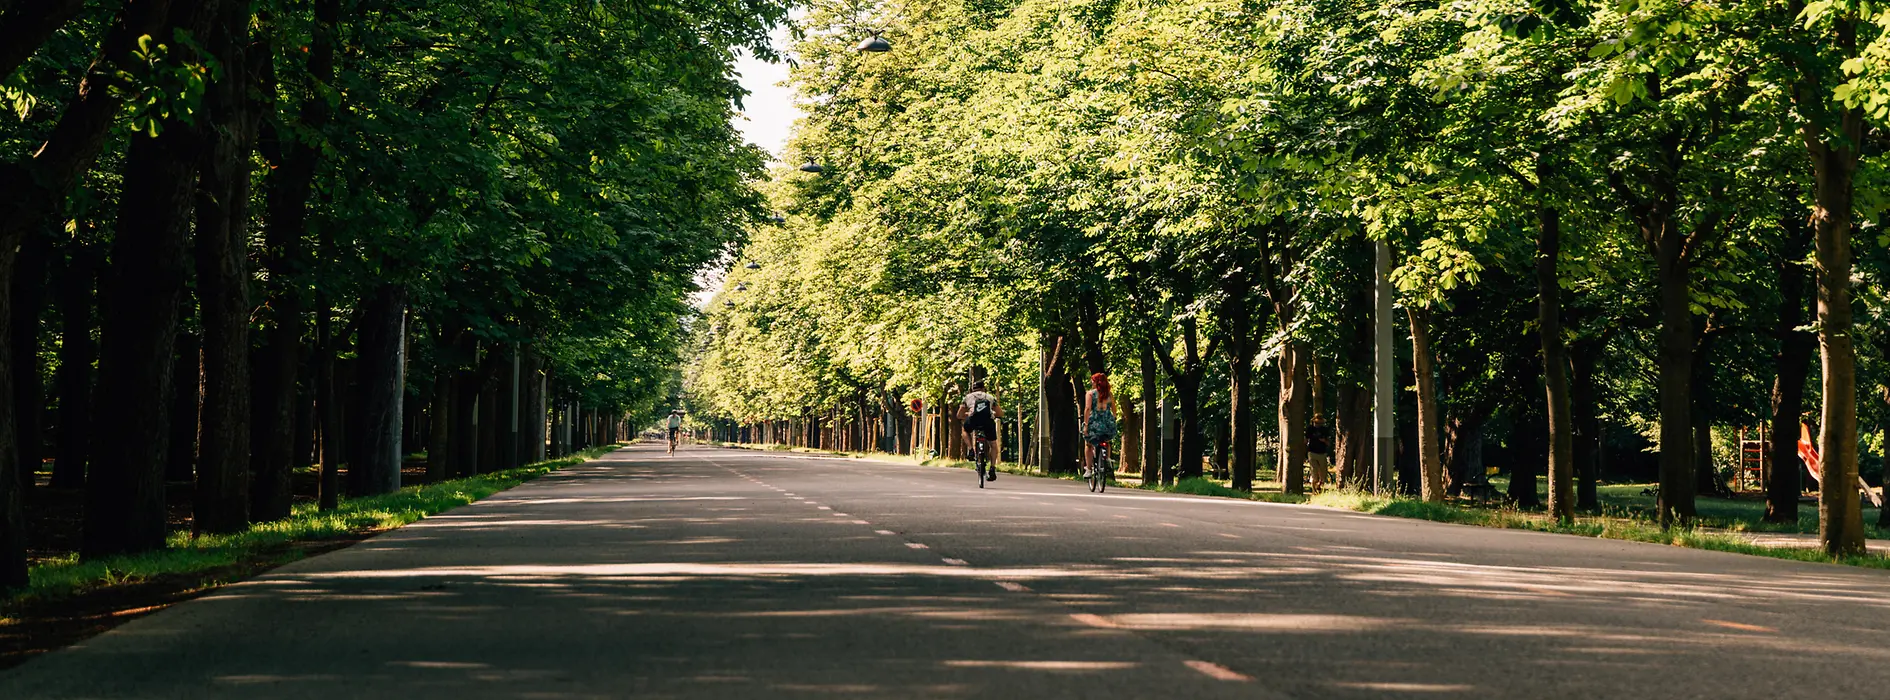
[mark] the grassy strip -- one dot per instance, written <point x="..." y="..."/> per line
<point x="1612" y="528"/>
<point x="271" y="542"/>
<point x="1199" y="486"/>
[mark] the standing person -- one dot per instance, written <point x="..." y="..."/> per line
<point x="1099" y="416"/>
<point x="980" y="412"/>
<point x="675" y="428"/>
<point x="1318" y="450"/>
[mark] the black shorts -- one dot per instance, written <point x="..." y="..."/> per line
<point x="981" y="425"/>
<point x="673" y="431"/>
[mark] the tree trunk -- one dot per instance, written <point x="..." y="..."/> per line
<point x="488" y="430"/>
<point x="1527" y="454"/>
<point x="465" y="417"/>
<point x="1240" y="404"/>
<point x="1151" y="418"/>
<point x="528" y="434"/>
<point x="1430" y="456"/>
<point x="29" y="392"/>
<point x="380" y="385"/>
<point x="1241" y="347"/>
<point x="440" y="418"/>
<point x="1292" y="414"/>
<point x="221" y="501"/>
<point x="294" y="160"/>
<point x="328" y="490"/>
<point x="1466" y="451"/>
<point x="1675" y="382"/>
<point x="1840" y="515"/>
<point x="180" y="459"/>
<point x="1706" y="478"/>
<point x="1186" y="379"/>
<point x="76" y="354"/>
<point x="1131" y="438"/>
<point x="1554" y="361"/>
<point x="1060" y="439"/>
<point x="12" y="511"/>
<point x="125" y="508"/>
<point x="1583" y="405"/>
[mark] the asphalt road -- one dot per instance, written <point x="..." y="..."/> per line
<point x="734" y="574"/>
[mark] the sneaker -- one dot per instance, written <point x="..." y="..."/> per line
<point x="992" y="476"/>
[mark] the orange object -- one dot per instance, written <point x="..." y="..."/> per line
<point x="1808" y="451"/>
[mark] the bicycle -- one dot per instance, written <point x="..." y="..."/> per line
<point x="1099" y="471"/>
<point x="978" y="443"/>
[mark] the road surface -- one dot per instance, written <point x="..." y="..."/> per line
<point x="735" y="574"/>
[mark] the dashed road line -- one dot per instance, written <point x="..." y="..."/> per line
<point x="1215" y="671"/>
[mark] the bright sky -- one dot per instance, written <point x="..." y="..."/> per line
<point x="768" y="114"/>
<point x="769" y="110"/>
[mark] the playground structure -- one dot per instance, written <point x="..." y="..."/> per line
<point x="1755" y="456"/>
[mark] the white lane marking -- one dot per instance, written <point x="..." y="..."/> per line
<point x="861" y="522"/>
<point x="1094" y="620"/>
<point x="826" y="507"/>
<point x="838" y="514"/>
<point x="1231" y="537"/>
<point x="956" y="562"/>
<point x="916" y="545"/>
<point x="1170" y="525"/>
<point x="886" y="532"/>
<point x="1013" y="586"/>
<point x="1215" y="671"/>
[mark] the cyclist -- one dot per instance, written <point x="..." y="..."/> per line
<point x="980" y="412"/>
<point x="1099" y="417"/>
<point x="675" y="427"/>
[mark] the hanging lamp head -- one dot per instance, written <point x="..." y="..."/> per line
<point x="812" y="167"/>
<point x="752" y="265"/>
<point x="873" y="44"/>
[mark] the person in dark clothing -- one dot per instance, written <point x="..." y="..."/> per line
<point x="1319" y="451"/>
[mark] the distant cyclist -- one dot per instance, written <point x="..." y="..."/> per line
<point x="1099" y="416"/>
<point x="675" y="428"/>
<point x="980" y="412"/>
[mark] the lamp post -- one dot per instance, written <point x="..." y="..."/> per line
<point x="1383" y="430"/>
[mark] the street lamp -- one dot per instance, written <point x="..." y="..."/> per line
<point x="729" y="304"/>
<point x="752" y="265"/>
<point x="741" y="286"/>
<point x="873" y="44"/>
<point x="812" y="167"/>
<point x="778" y="218"/>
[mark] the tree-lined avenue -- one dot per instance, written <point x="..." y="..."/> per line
<point x="725" y="573"/>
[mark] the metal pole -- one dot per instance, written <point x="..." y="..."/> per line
<point x="512" y="455"/>
<point x="1382" y="405"/>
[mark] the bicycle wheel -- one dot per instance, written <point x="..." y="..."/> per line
<point x="978" y="466"/>
<point x="1102" y="473"/>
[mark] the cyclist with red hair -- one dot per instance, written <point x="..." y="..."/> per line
<point x="1099" y="416"/>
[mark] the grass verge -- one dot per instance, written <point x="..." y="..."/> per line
<point x="269" y="544"/>
<point x="1614" y="528"/>
<point x="1198" y="486"/>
